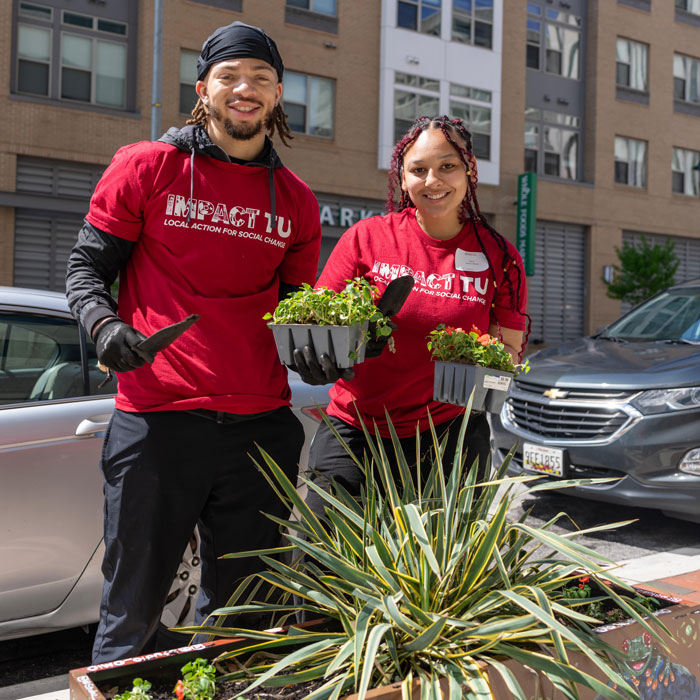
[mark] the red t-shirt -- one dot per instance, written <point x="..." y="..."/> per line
<point x="225" y="264"/>
<point x="453" y="285"/>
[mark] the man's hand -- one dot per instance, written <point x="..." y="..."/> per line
<point x="116" y="342"/>
<point x="375" y="345"/>
<point x="317" y="371"/>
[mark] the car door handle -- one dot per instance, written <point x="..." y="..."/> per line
<point x="93" y="425"/>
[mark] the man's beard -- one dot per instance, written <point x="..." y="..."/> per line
<point x="246" y="130"/>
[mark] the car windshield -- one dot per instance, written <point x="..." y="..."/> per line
<point x="673" y="316"/>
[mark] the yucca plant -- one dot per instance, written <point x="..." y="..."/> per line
<point x="426" y="580"/>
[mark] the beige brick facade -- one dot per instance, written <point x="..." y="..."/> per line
<point x="346" y="165"/>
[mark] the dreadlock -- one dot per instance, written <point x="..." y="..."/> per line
<point x="469" y="210"/>
<point x="200" y="114"/>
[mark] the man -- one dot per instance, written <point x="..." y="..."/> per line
<point x="204" y="221"/>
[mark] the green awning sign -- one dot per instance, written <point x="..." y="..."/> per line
<point x="527" y="220"/>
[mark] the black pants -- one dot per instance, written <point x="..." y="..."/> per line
<point x="165" y="472"/>
<point x="328" y="459"/>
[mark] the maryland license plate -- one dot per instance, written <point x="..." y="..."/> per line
<point x="546" y="460"/>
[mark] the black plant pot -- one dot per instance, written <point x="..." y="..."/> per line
<point x="345" y="345"/>
<point x="455" y="381"/>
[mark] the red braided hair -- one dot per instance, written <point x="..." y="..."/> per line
<point x="469" y="210"/>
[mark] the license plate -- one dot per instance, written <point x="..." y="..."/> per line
<point x="546" y="460"/>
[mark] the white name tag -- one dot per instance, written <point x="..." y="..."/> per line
<point x="496" y="381"/>
<point x="470" y="262"/>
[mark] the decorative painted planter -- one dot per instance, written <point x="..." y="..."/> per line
<point x="455" y="381"/>
<point x="338" y="342"/>
<point x="657" y="673"/>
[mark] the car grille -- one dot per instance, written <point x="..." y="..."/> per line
<point x="582" y="415"/>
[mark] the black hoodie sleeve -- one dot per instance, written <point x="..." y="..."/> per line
<point x="93" y="266"/>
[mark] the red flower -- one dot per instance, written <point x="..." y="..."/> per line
<point x="475" y="330"/>
<point x="584" y="579"/>
<point x="449" y="330"/>
<point x="179" y="690"/>
<point x="580" y="585"/>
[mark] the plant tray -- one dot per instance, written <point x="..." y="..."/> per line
<point x="455" y="381"/>
<point x="345" y="345"/>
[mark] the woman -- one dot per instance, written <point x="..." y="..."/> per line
<point x="465" y="274"/>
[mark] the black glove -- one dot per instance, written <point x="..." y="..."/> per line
<point x="375" y="346"/>
<point x="116" y="342"/>
<point x="317" y="371"/>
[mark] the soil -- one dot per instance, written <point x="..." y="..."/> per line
<point x="229" y="689"/>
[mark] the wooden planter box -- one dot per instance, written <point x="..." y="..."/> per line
<point x="677" y="670"/>
<point x="338" y="342"/>
<point x="455" y="381"/>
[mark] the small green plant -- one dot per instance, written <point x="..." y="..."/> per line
<point x="139" y="691"/>
<point x="197" y="681"/>
<point x="326" y="307"/>
<point x="450" y="344"/>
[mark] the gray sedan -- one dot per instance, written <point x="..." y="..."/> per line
<point x="53" y="414"/>
<point x="624" y="403"/>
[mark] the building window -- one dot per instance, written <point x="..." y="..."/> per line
<point x="470" y="105"/>
<point x="553" y="41"/>
<point x="414" y="97"/>
<point x="686" y="172"/>
<point x="72" y="56"/>
<point x="420" y="16"/>
<point x="309" y="104"/>
<point x="552" y="143"/>
<point x="472" y="22"/>
<point x="188" y="79"/>
<point x="632" y="65"/>
<point x="324" y="7"/>
<point x="630" y="162"/>
<point x="690" y="6"/>
<point x="686" y="78"/>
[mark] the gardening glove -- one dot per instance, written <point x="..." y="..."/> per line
<point x="375" y="346"/>
<point x="389" y="304"/>
<point x="317" y="371"/>
<point x="116" y="342"/>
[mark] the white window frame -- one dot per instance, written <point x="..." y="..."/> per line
<point x="310" y="6"/>
<point x="49" y="63"/>
<point x="182" y="83"/>
<point x="687" y="69"/>
<point x="307" y="110"/>
<point x="692" y="7"/>
<point x="418" y="4"/>
<point x="691" y="173"/>
<point x="634" y="178"/>
<point x="474" y="102"/>
<point x="93" y="72"/>
<point x="473" y="19"/>
<point x="631" y="43"/>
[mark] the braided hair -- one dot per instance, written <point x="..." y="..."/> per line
<point x="469" y="209"/>
<point x="200" y="114"/>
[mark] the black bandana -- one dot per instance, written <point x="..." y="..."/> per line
<point x="238" y="40"/>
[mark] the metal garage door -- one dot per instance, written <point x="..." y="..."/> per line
<point x="42" y="246"/>
<point x="687" y="251"/>
<point x="556" y="292"/>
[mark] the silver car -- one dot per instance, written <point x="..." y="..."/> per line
<point x="623" y="403"/>
<point x="54" y="410"/>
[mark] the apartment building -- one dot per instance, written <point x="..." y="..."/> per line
<point x="601" y="98"/>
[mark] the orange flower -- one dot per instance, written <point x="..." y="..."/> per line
<point x="475" y="330"/>
<point x="179" y="690"/>
<point x="449" y="330"/>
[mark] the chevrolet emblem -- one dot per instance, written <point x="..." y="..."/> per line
<point x="555" y="393"/>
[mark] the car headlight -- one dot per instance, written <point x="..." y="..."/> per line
<point x="663" y="400"/>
